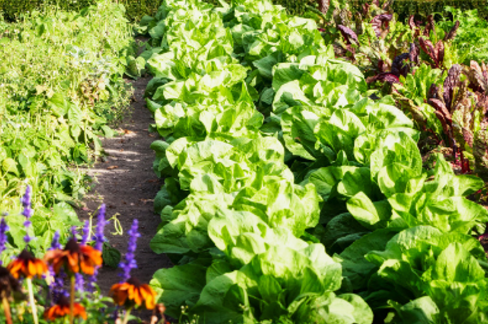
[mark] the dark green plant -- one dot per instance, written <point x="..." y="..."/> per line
<point x="135" y="9"/>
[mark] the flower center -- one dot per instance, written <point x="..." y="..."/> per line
<point x="72" y="246"/>
<point x="26" y="255"/>
<point x="134" y="281"/>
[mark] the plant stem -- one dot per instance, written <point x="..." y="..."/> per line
<point x="32" y="301"/>
<point x="484" y="265"/>
<point x="72" y="301"/>
<point x="6" y="309"/>
<point x="127" y="315"/>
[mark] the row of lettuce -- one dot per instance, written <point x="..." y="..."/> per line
<point x="61" y="84"/>
<point x="274" y="153"/>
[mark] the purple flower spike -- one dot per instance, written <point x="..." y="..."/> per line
<point x="79" y="282"/>
<point x="99" y="236"/>
<point x="130" y="261"/>
<point x="55" y="244"/>
<point x="3" y="236"/>
<point x="92" y="281"/>
<point x="86" y="233"/>
<point x="26" y="201"/>
<point x="57" y="286"/>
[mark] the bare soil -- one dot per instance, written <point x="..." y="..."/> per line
<point x="125" y="182"/>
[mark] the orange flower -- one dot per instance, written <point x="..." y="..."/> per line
<point x="61" y="309"/>
<point x="133" y="292"/>
<point x="74" y="257"/>
<point x="26" y="265"/>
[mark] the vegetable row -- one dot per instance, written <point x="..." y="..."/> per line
<point x="274" y="153"/>
<point x="61" y="85"/>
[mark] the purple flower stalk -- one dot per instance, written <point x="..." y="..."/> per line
<point x="57" y="286"/>
<point x="79" y="282"/>
<point x="99" y="238"/>
<point x="26" y="201"/>
<point x="86" y="233"/>
<point x="55" y="244"/>
<point x="3" y="236"/>
<point x="130" y="261"/>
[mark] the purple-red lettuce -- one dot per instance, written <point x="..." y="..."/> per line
<point x="381" y="25"/>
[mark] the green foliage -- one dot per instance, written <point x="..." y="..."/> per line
<point x="471" y="31"/>
<point x="135" y="9"/>
<point x="273" y="151"/>
<point x="60" y="85"/>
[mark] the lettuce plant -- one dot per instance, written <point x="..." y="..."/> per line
<point x="288" y="186"/>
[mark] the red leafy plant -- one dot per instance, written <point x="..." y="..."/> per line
<point x="461" y="107"/>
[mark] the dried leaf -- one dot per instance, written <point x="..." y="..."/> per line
<point x="112" y="167"/>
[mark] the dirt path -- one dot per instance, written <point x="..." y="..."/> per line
<point x="126" y="183"/>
